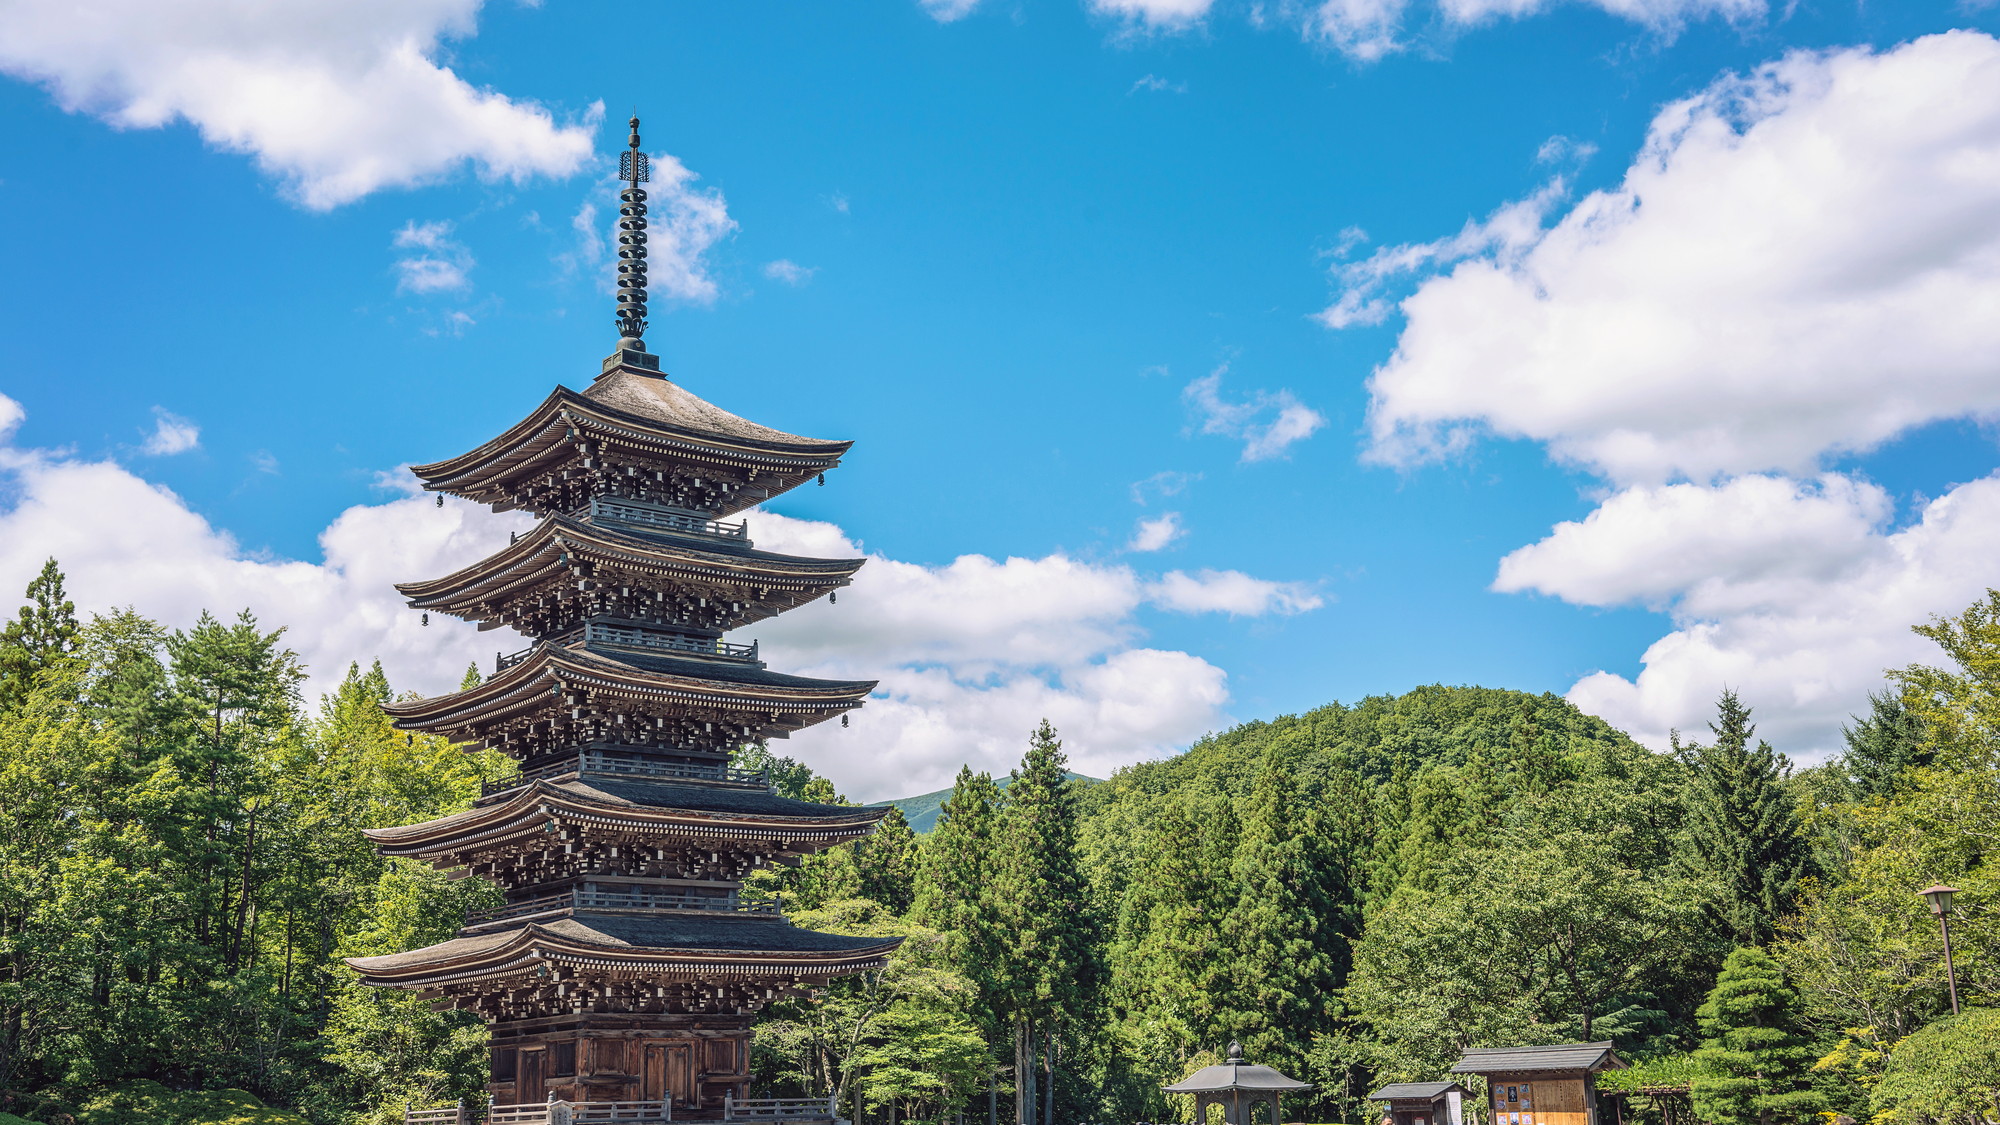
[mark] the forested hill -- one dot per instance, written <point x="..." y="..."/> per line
<point x="921" y="811"/>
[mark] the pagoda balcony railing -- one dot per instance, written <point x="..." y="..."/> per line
<point x="731" y="903"/>
<point x="683" y="523"/>
<point x="631" y="636"/>
<point x="598" y="763"/>
<point x="776" y="1109"/>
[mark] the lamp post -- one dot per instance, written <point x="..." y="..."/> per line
<point x="1939" y="897"/>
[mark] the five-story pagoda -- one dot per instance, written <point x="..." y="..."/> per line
<point x="626" y="965"/>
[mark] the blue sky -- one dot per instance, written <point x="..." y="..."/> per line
<point x="1423" y="361"/>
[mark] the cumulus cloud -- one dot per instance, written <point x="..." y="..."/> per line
<point x="789" y="272"/>
<point x="1268" y="424"/>
<point x="684" y="223"/>
<point x="1232" y="592"/>
<point x="1154" y="15"/>
<point x="337" y="98"/>
<point x="1367" y="30"/>
<point x="946" y="11"/>
<point x="171" y="433"/>
<point x="1803" y="260"/>
<point x="435" y="263"/>
<point x="1802" y="635"/>
<point x="971" y="654"/>
<point x="1801" y="263"/>
<point x="1156" y="533"/>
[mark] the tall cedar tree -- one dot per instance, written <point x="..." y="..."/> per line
<point x="954" y="895"/>
<point x="1048" y="981"/>
<point x="1882" y="746"/>
<point x="44" y="634"/>
<point x="1754" y="1061"/>
<point x="1742" y="825"/>
<point x="1282" y="967"/>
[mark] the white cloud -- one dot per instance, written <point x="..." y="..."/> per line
<point x="171" y="433"/>
<point x="1799" y="603"/>
<point x="1155" y="534"/>
<point x="1802" y="261"/>
<point x="1154" y="15"/>
<point x="1232" y="592"/>
<point x="945" y="11"/>
<point x="683" y="224"/>
<point x="971" y="654"/>
<point x="789" y="272"/>
<point x="438" y="264"/>
<point x="1268" y="424"/>
<point x="1663" y="15"/>
<point x="1361" y="29"/>
<point x="1165" y="483"/>
<point x="337" y="98"/>
<point x="1153" y="83"/>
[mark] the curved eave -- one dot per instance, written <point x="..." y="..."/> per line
<point x="544" y="433"/>
<point x="549" y="668"/>
<point x="517" y="952"/>
<point x="539" y="555"/>
<point x="534" y="806"/>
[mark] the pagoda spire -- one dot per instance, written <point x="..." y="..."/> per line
<point x="634" y="169"/>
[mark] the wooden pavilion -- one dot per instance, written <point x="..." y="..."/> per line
<point x="1422" y="1103"/>
<point x="621" y="975"/>
<point x="1238" y="1087"/>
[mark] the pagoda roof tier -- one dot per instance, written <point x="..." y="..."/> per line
<point x="638" y="434"/>
<point x="570" y="695"/>
<point x="667" y="816"/>
<point x="552" y="571"/>
<point x="665" y="948"/>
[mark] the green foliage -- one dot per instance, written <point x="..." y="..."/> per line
<point x="149" y="1103"/>
<point x="41" y="636"/>
<point x="1742" y="829"/>
<point x="1946" y="1072"/>
<point x="1667" y="1070"/>
<point x="1756" y="1059"/>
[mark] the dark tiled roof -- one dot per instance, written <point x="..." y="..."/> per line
<point x="665" y="795"/>
<point x="1414" y="1090"/>
<point x="1560" y="1056"/>
<point x="1238" y="1076"/>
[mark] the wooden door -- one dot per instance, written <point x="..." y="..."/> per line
<point x="668" y="1072"/>
<point x="531" y="1081"/>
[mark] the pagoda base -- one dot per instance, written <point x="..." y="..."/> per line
<point x="696" y="1060"/>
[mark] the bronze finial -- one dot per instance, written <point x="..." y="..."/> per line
<point x="634" y="169"/>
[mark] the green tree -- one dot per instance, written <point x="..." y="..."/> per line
<point x="1283" y="959"/>
<point x="1881" y="747"/>
<point x="1047" y="977"/>
<point x="1742" y="828"/>
<point x="42" y="635"/>
<point x="1754" y="1060"/>
<point x="1947" y="1072"/>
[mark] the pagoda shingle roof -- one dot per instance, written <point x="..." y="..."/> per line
<point x="644" y="411"/>
<point x="524" y="687"/>
<point x="662" y="807"/>
<point x="538" y="555"/>
<point x="667" y="942"/>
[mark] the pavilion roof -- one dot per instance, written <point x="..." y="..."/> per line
<point x="665" y="945"/>
<point x="1587" y="1057"/>
<point x="639" y="411"/>
<point x="548" y="551"/>
<point x="1414" y="1091"/>
<point x="660" y="809"/>
<point x="1235" y="1074"/>
<point x="549" y="672"/>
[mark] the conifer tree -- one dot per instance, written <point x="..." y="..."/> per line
<point x="1281" y="967"/>
<point x="1169" y="974"/>
<point x="954" y="892"/>
<point x="1754" y="1060"/>
<point x="1882" y="746"/>
<point x="42" y="635"/>
<point x="1741" y="825"/>
<point x="1047" y="976"/>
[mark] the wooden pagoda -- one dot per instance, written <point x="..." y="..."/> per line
<point x="622" y="974"/>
